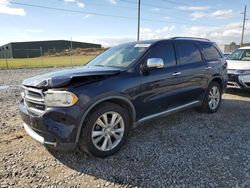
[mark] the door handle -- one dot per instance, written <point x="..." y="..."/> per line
<point x="208" y="67"/>
<point x="176" y="73"/>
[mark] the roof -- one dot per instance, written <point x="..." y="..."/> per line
<point x="245" y="47"/>
<point x="152" y="41"/>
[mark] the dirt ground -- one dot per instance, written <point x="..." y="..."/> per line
<point x="182" y="150"/>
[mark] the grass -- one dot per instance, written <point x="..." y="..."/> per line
<point x="44" y="62"/>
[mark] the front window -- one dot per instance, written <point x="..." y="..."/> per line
<point x="120" y="56"/>
<point x="240" y="55"/>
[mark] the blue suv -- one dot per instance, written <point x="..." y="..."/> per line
<point x="94" y="107"/>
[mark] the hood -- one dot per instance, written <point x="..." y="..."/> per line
<point x="63" y="78"/>
<point x="238" y="65"/>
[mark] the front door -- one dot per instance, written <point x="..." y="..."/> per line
<point x="160" y="86"/>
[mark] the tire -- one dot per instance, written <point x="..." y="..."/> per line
<point x="207" y="105"/>
<point x="98" y="137"/>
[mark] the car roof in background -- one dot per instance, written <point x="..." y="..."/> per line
<point x="245" y="47"/>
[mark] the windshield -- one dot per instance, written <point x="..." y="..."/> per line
<point x="120" y="56"/>
<point x="240" y="55"/>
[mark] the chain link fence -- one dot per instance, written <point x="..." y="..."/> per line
<point x="28" y="58"/>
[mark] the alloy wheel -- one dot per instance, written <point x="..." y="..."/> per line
<point x="108" y="131"/>
<point x="214" y="97"/>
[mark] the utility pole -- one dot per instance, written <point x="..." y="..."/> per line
<point x="139" y="15"/>
<point x="243" y="27"/>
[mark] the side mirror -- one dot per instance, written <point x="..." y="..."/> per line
<point x="155" y="63"/>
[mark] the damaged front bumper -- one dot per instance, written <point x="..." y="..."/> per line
<point x="239" y="81"/>
<point x="48" y="128"/>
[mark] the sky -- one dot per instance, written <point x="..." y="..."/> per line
<point x="111" y="22"/>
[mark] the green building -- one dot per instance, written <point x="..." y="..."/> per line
<point x="37" y="48"/>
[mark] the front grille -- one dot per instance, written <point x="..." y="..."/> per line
<point x="233" y="77"/>
<point x="33" y="99"/>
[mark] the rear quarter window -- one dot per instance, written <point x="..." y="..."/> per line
<point x="210" y="53"/>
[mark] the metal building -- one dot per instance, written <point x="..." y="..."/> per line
<point x="36" y="48"/>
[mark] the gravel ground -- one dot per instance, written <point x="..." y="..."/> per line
<point x="187" y="149"/>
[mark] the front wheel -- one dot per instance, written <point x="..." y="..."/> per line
<point x="105" y="130"/>
<point x="212" y="98"/>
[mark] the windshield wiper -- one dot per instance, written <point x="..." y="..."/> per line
<point x="99" y="65"/>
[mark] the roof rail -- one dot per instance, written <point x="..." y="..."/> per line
<point x="190" y="38"/>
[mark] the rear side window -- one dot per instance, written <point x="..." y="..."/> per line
<point x="188" y="53"/>
<point x="165" y="52"/>
<point x="210" y="52"/>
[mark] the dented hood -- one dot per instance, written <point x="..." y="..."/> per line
<point x="62" y="78"/>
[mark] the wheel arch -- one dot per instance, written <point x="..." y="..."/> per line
<point x="219" y="81"/>
<point x="120" y="100"/>
<point x="216" y="79"/>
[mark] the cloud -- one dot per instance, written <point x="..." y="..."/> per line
<point x="145" y="34"/>
<point x="86" y="16"/>
<point x="221" y="35"/>
<point x="155" y="9"/>
<point x="164" y="32"/>
<point x="223" y="13"/>
<point x="34" y="30"/>
<point x="166" y="17"/>
<point x="193" y="8"/>
<point x="79" y="3"/>
<point x="6" y="9"/>
<point x="113" y="1"/>
<point x="219" y="14"/>
<point x="106" y="41"/>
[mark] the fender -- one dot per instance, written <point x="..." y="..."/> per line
<point x="103" y="99"/>
<point x="209" y="82"/>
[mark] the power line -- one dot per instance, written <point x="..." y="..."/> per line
<point x="99" y="14"/>
<point x="91" y="3"/>
<point x="164" y="7"/>
<point x="70" y="10"/>
<point x="148" y="11"/>
<point x="132" y="8"/>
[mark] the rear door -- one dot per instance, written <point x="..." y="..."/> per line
<point x="213" y="59"/>
<point x="192" y="67"/>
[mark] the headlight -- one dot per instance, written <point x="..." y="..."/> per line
<point x="244" y="71"/>
<point x="59" y="98"/>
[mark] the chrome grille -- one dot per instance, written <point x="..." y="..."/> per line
<point x="33" y="99"/>
<point x="248" y="84"/>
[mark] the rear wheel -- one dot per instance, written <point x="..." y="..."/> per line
<point x="105" y="130"/>
<point x="212" y="99"/>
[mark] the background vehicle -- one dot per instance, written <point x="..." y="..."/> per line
<point x="226" y="54"/>
<point x="239" y="69"/>
<point x="95" y="106"/>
